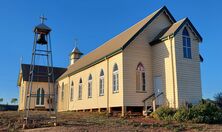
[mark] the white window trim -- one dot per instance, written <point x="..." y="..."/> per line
<point x="90" y="88"/>
<point x="141" y="83"/>
<point x="62" y="94"/>
<point x="40" y="98"/>
<point x="71" y="93"/>
<point x="116" y="88"/>
<point x="186" y="47"/>
<point x="101" y="89"/>
<point x="80" y="97"/>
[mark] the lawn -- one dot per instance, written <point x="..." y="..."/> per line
<point x="93" y="121"/>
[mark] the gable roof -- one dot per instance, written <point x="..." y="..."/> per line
<point x="115" y="45"/>
<point x="173" y="30"/>
<point x="41" y="71"/>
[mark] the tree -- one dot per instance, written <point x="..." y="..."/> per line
<point x="14" y="100"/>
<point x="218" y="99"/>
<point x="1" y="100"/>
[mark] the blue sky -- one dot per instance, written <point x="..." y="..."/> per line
<point x="94" y="22"/>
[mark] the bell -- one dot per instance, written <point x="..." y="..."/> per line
<point x="41" y="39"/>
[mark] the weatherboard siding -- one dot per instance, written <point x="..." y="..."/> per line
<point x="115" y="99"/>
<point x="140" y="51"/>
<point x="35" y="86"/>
<point x="163" y="60"/>
<point x="188" y="71"/>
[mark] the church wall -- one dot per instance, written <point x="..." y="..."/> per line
<point x="22" y="95"/>
<point x="63" y="103"/>
<point x="112" y="100"/>
<point x="163" y="60"/>
<point x="188" y="71"/>
<point x="140" y="51"/>
<point x="35" y="86"/>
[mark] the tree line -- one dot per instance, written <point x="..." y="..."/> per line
<point x="13" y="100"/>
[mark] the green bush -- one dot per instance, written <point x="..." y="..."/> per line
<point x="164" y="113"/>
<point x="206" y="112"/>
<point x="182" y="114"/>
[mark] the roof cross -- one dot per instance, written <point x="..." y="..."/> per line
<point x="76" y="42"/>
<point x="43" y="18"/>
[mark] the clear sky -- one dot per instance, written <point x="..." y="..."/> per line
<point x="94" y="22"/>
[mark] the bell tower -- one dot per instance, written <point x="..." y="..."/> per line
<point x="75" y="54"/>
<point x="41" y="51"/>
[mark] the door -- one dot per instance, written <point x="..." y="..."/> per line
<point x="158" y="88"/>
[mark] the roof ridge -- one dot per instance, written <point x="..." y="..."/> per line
<point x="137" y="23"/>
<point x="116" y="43"/>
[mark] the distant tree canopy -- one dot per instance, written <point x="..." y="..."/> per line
<point x="1" y="100"/>
<point x="14" y="100"/>
<point x="218" y="99"/>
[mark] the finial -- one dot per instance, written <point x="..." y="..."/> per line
<point x="43" y="18"/>
<point x="76" y="42"/>
<point x="21" y="59"/>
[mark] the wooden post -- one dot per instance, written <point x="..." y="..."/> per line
<point x="123" y="111"/>
<point x="154" y="105"/>
<point x="99" y="110"/>
<point x="109" y="110"/>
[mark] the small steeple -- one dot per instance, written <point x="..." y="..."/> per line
<point x="75" y="54"/>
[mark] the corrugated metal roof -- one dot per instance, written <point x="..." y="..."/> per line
<point x="116" y="43"/>
<point x="41" y="71"/>
<point x="173" y="29"/>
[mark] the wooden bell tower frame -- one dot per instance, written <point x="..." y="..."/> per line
<point x="42" y="49"/>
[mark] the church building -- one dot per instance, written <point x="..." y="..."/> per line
<point x="156" y="60"/>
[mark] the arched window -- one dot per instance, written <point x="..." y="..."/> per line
<point x="90" y="86"/>
<point x="115" y="79"/>
<point x="72" y="91"/>
<point x="186" y="44"/>
<point x="40" y="97"/>
<point x="101" y="83"/>
<point x="80" y="89"/>
<point x="62" y="92"/>
<point x="140" y="78"/>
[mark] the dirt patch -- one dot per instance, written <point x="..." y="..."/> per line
<point x="93" y="121"/>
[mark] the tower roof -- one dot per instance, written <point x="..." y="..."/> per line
<point x="42" y="28"/>
<point x="76" y="51"/>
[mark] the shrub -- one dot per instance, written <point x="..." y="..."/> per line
<point x="218" y="99"/>
<point x="182" y="114"/>
<point x="164" y="113"/>
<point x="206" y="112"/>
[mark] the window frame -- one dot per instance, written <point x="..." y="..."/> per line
<point x="115" y="82"/>
<point x="40" y="97"/>
<point x="101" y="83"/>
<point x="141" y="85"/>
<point x="187" y="48"/>
<point x="90" y="86"/>
<point x="72" y="91"/>
<point x="80" y="90"/>
<point x="62" y="91"/>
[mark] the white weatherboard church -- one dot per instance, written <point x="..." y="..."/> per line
<point x="155" y="62"/>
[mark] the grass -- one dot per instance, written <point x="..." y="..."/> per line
<point x="93" y="121"/>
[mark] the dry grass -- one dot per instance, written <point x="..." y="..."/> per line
<point x="92" y="121"/>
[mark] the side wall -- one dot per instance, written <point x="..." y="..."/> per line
<point x="188" y="71"/>
<point x="140" y="51"/>
<point x="35" y="86"/>
<point x="163" y="60"/>
<point x="109" y="99"/>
